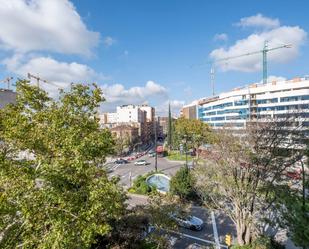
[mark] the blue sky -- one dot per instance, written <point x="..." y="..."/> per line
<point x="143" y="51"/>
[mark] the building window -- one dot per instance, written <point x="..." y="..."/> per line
<point x="240" y="102"/>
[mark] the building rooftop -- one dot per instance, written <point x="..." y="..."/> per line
<point x="251" y="86"/>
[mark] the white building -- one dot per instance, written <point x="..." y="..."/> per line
<point x="141" y="117"/>
<point x="257" y="101"/>
<point x="150" y="112"/>
<point x="129" y="114"/>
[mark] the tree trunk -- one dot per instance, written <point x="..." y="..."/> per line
<point x="244" y="233"/>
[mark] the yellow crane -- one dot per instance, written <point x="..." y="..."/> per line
<point x="264" y="52"/>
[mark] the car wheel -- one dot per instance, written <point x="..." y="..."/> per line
<point x="192" y="228"/>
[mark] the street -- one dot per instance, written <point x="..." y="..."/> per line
<point x="128" y="172"/>
<point x="185" y="237"/>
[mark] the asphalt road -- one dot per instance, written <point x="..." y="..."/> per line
<point x="129" y="170"/>
<point x="185" y="237"/>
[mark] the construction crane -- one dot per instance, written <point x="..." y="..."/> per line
<point x="7" y="81"/>
<point x="264" y="52"/>
<point x="38" y="79"/>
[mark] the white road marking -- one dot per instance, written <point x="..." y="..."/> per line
<point x="199" y="239"/>
<point x="214" y="227"/>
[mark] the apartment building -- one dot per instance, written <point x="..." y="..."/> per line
<point x="141" y="117"/>
<point x="125" y="132"/>
<point x="6" y="97"/>
<point x="190" y="111"/>
<point x="257" y="102"/>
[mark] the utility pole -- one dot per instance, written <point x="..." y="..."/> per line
<point x="169" y="132"/>
<point x="7" y="80"/>
<point x="156" y="145"/>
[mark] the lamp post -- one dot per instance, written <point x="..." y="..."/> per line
<point x="155" y="137"/>
<point x="186" y="151"/>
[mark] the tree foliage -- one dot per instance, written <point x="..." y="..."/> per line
<point x="294" y="205"/>
<point x="193" y="132"/>
<point x="182" y="184"/>
<point x="122" y="144"/>
<point x="53" y="192"/>
<point x="243" y="172"/>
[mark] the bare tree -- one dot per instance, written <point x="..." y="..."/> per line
<point x="243" y="171"/>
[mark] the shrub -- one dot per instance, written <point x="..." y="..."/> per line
<point x="140" y="186"/>
<point x="182" y="184"/>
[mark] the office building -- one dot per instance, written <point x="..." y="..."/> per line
<point x="257" y="102"/>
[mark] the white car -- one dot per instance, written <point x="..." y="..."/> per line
<point x="140" y="162"/>
<point x="190" y="222"/>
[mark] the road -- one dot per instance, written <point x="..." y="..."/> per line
<point x="205" y="237"/>
<point x="130" y="171"/>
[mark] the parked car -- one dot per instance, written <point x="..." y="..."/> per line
<point x="121" y="161"/>
<point x="152" y="154"/>
<point x="130" y="158"/>
<point x="196" y="246"/>
<point x="190" y="222"/>
<point x="140" y="162"/>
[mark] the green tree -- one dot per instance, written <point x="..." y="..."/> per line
<point x="193" y="132"/>
<point x="295" y="207"/>
<point x="182" y="184"/>
<point x="121" y="145"/>
<point x="242" y="174"/>
<point x="53" y="193"/>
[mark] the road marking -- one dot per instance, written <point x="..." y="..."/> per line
<point x="199" y="239"/>
<point x="214" y="227"/>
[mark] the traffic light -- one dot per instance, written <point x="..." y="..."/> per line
<point x="228" y="239"/>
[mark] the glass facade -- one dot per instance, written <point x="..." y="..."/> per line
<point x="219" y="115"/>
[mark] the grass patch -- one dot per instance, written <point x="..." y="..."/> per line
<point x="176" y="156"/>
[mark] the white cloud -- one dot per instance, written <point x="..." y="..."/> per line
<point x="118" y="94"/>
<point x="258" y="21"/>
<point x="109" y="41"/>
<point x="254" y="42"/>
<point x="221" y="37"/>
<point x="44" y="25"/>
<point x="59" y="73"/>
<point x="176" y="105"/>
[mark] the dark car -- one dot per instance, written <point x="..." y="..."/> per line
<point x="121" y="161"/>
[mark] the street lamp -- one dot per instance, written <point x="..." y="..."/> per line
<point x="156" y="145"/>
<point x="185" y="139"/>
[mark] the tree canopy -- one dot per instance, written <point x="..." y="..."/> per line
<point x="192" y="131"/>
<point x="243" y="173"/>
<point x="53" y="193"/>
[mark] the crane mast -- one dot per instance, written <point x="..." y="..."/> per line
<point x="38" y="79"/>
<point x="7" y="81"/>
<point x="264" y="52"/>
